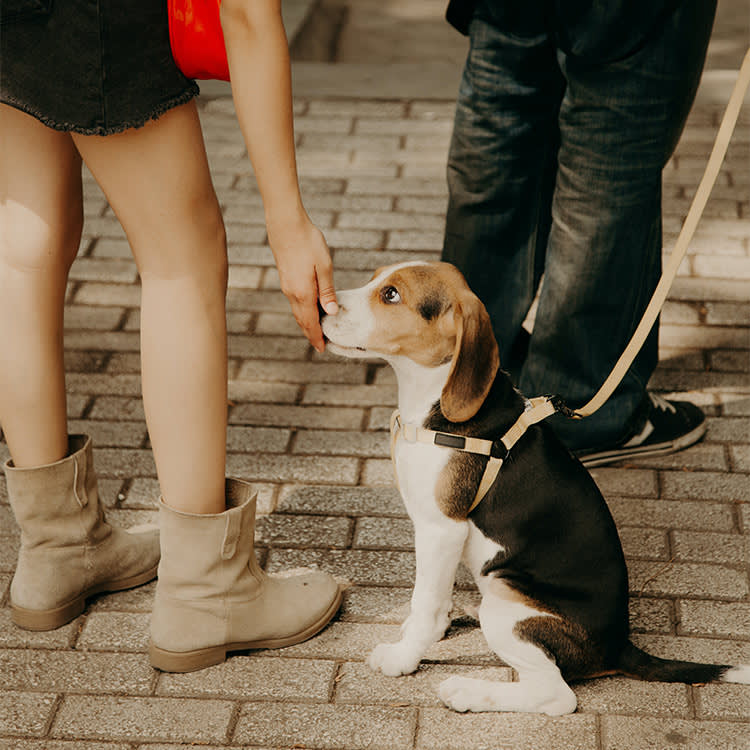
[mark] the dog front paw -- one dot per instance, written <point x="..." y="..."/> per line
<point x="393" y="659"/>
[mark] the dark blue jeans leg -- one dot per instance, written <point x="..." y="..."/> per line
<point x="619" y="124"/>
<point x="501" y="170"/>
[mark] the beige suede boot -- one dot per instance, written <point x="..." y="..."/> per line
<point x="212" y="596"/>
<point x="68" y="551"/>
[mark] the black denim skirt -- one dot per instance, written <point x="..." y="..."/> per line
<point x="89" y="66"/>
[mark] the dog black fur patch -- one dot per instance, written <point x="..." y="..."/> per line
<point x="431" y="307"/>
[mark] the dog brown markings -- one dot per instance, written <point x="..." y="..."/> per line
<point x="475" y="358"/>
<point x="404" y="328"/>
<point x="457" y="484"/>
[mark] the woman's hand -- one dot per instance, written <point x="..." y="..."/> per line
<point x="306" y="274"/>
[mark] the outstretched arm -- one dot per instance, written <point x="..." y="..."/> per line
<point x="259" y="66"/>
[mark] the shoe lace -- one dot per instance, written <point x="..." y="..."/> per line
<point x="659" y="402"/>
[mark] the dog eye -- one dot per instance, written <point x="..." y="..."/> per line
<point x="390" y="295"/>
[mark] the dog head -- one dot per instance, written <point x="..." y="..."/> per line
<point x="424" y="312"/>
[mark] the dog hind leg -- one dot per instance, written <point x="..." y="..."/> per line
<point x="540" y="687"/>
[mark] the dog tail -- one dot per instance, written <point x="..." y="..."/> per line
<point x="637" y="663"/>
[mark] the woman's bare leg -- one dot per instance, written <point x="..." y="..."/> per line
<point x="158" y="182"/>
<point x="41" y="218"/>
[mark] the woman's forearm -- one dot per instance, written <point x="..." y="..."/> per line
<point x="259" y="66"/>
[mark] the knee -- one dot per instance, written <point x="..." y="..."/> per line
<point x="32" y="243"/>
<point x="194" y="248"/>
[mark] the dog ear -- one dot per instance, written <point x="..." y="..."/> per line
<point x="475" y="360"/>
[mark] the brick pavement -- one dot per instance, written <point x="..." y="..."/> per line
<point x="310" y="431"/>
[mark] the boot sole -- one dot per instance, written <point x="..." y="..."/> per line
<point x="50" y="619"/>
<point x="190" y="661"/>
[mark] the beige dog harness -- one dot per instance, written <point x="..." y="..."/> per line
<point x="536" y="410"/>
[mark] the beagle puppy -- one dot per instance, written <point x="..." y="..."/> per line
<point x="541" y="544"/>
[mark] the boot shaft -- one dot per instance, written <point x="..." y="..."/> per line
<point x="58" y="501"/>
<point x="208" y="555"/>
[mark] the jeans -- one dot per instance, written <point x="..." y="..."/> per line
<point x="554" y="173"/>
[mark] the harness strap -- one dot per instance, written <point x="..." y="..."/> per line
<point x="536" y="410"/>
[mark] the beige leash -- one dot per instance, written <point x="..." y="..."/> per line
<point x="542" y="407"/>
<point x="683" y="240"/>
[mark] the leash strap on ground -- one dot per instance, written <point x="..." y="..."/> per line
<point x="726" y="129"/>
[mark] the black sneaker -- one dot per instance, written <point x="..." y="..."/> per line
<point x="670" y="426"/>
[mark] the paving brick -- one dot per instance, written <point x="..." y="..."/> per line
<point x="731" y="361"/>
<point x="107" y="247"/>
<point x="122" y="295"/>
<point x="256" y="300"/>
<point x="384" y="533"/>
<point x="699" y="289"/>
<point x="247" y="391"/>
<point x="378" y="473"/>
<point x="352" y="727"/>
<point x="303" y="372"/>
<point x="740" y="457"/>
<point x="714" y="618"/>
<point x="349" y="395"/>
<point x="644" y="543"/>
<point x="724" y="702"/>
<point x="136" y="719"/>
<point x="395" y="186"/>
<point x="370" y="567"/>
<point x="672" y="514"/>
<point x="729" y="429"/>
<point x="728" y="313"/>
<point x="380" y="418"/>
<point x="120" y="631"/>
<point x="140" y="599"/>
<point x="75" y="672"/>
<point x="340" y="239"/>
<point x="705" y="486"/>
<point x="356" y="108"/>
<point x="281" y="324"/>
<point x="736" y="406"/>
<point x="109" y="434"/>
<point x="650" y="615"/>
<point x="97" y="318"/>
<point x="267" y="347"/>
<point x="441" y="729"/>
<point x="357" y="683"/>
<point x="687" y="579"/>
<point x="106" y="270"/>
<point x="334" y="418"/>
<point x="254" y="439"/>
<point x="703" y="650"/>
<point x="124" y="463"/>
<point x="17" y="744"/>
<point x="303" y="531"/>
<point x="375" y="604"/>
<point x="256" y="679"/>
<point x="615" y="695"/>
<point x="350" y="501"/>
<point x="369" y="260"/>
<point x="700" y="546"/>
<point x="634" y="733"/>
<point x="339" y="442"/>
<point x="283" y="468"/>
<point x="25" y="714"/>
<point x="406" y="239"/>
<point x="702" y="456"/>
<point x="78" y="361"/>
<point x="12" y="637"/>
<point x="626" y="482"/>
